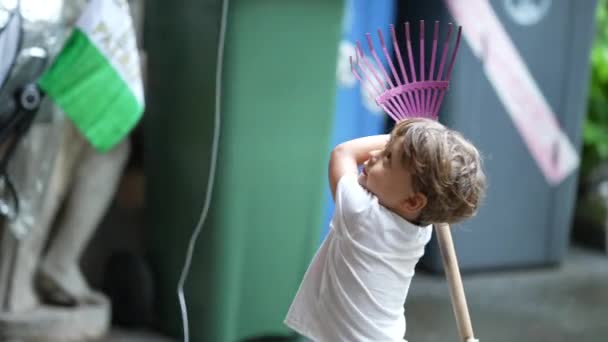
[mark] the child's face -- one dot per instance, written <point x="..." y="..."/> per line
<point x="386" y="176"/>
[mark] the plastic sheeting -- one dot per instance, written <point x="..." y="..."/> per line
<point x="356" y="113"/>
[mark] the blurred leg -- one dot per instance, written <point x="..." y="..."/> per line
<point x="96" y="179"/>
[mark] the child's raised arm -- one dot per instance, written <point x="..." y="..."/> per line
<point x="346" y="157"/>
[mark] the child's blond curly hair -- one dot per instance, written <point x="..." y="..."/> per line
<point x="445" y="167"/>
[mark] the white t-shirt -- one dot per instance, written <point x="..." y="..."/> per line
<point x="355" y="288"/>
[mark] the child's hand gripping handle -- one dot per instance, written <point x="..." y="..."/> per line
<point x="450" y="264"/>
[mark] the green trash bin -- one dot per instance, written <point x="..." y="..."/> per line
<point x="263" y="225"/>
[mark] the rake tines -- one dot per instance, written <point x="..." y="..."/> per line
<point x="404" y="97"/>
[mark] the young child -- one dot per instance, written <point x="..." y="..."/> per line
<point x="356" y="286"/>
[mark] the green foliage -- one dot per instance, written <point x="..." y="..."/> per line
<point x="595" y="133"/>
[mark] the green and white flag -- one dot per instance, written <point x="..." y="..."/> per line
<point x="96" y="78"/>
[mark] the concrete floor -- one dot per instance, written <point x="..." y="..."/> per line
<point x="566" y="303"/>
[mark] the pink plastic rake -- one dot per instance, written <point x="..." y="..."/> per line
<point x="419" y="95"/>
<point x="402" y="96"/>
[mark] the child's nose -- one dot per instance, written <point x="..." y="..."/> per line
<point x="373" y="156"/>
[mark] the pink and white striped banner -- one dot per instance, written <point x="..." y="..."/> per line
<point x="507" y="72"/>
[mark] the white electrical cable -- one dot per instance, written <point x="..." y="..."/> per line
<point x="214" y="149"/>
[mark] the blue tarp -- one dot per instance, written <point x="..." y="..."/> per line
<point x="356" y="114"/>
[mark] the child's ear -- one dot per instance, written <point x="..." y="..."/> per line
<point x="414" y="203"/>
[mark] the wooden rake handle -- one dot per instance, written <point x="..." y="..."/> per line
<point x="452" y="272"/>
